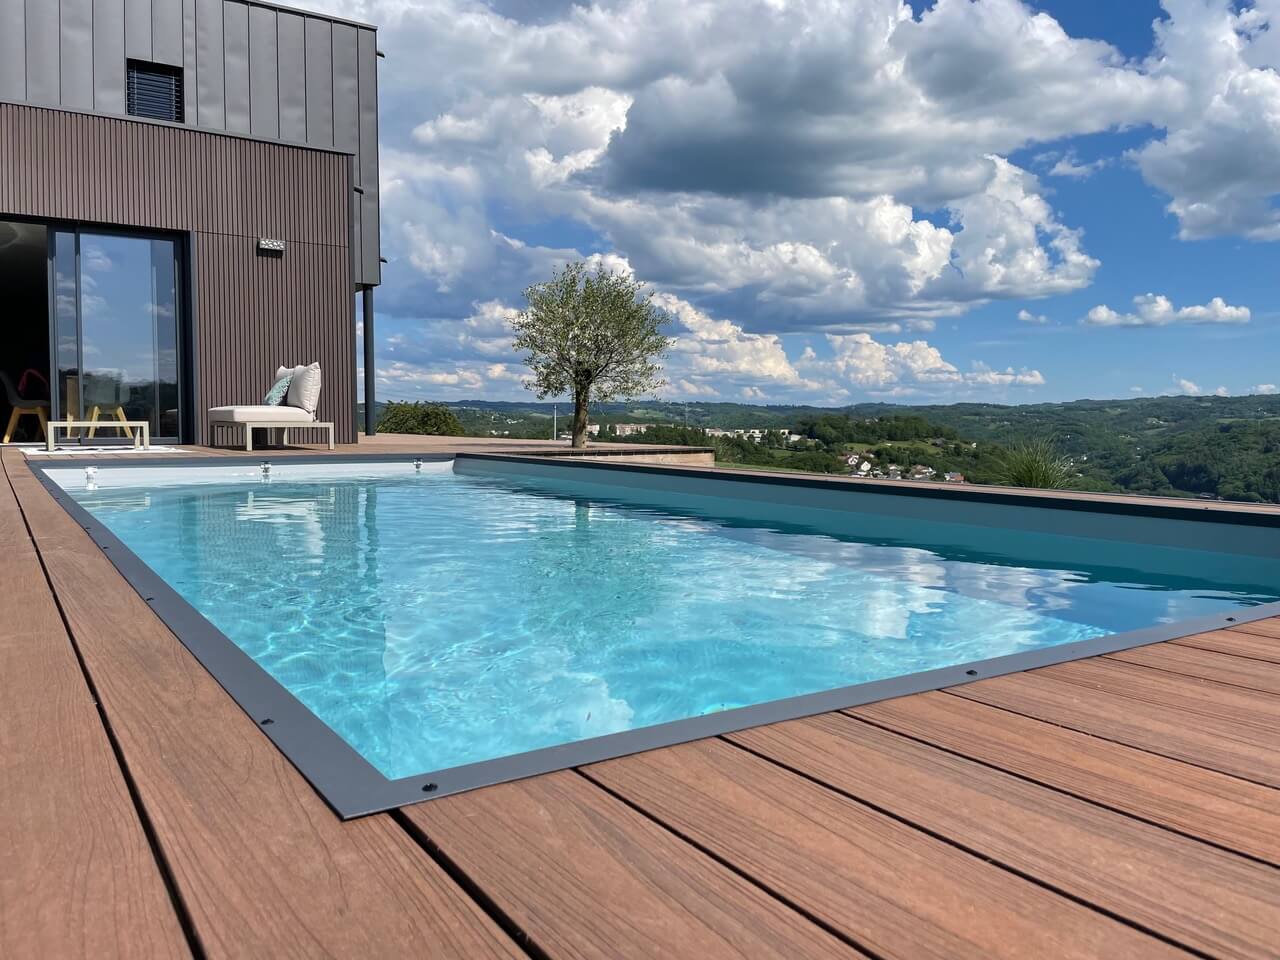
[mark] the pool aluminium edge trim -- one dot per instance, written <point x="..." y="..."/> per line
<point x="352" y="787"/>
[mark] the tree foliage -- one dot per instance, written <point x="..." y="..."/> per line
<point x="594" y="336"/>
<point x="427" y="418"/>
<point x="1219" y="447"/>
<point x="836" y="428"/>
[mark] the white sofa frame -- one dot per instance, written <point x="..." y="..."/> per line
<point x="285" y="425"/>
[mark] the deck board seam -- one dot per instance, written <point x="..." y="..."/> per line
<point x="987" y="858"/>
<point x="1244" y="628"/>
<point x="180" y="908"/>
<point x="1195" y="676"/>
<point x="953" y="691"/>
<point x="1190" y="645"/>
<point x="728" y="864"/>
<point x="1085" y="798"/>
<point x="522" y="939"/>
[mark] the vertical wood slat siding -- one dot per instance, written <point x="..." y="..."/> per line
<point x="296" y="314"/>
<point x="253" y="313"/>
<point x="248" y="66"/>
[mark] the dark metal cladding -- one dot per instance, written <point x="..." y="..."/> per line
<point x="252" y="313"/>
<point x="248" y="66"/>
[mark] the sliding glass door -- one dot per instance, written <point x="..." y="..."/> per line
<point x="115" y="329"/>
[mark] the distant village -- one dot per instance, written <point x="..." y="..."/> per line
<point x="861" y="464"/>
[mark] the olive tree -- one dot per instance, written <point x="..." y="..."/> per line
<point x="595" y="336"/>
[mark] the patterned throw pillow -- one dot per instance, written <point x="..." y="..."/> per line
<point x="275" y="396"/>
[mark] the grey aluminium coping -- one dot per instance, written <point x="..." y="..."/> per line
<point x="353" y="787"/>
<point x="306" y="12"/>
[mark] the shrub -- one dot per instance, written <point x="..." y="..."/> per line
<point x="1035" y="463"/>
<point x="430" y="418"/>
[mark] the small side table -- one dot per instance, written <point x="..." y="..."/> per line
<point x="141" y="430"/>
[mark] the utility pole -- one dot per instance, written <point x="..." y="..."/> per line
<point x="555" y="416"/>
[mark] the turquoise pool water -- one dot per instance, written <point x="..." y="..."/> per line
<point x="433" y="619"/>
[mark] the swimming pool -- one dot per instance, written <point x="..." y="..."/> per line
<point x="410" y="629"/>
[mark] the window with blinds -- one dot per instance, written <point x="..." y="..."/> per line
<point x="155" y="91"/>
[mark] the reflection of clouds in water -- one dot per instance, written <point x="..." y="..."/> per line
<point x="893" y="583"/>
<point x="461" y="621"/>
<point x="1021" y="587"/>
<point x="834" y="595"/>
<point x="887" y="611"/>
<point x="1014" y="586"/>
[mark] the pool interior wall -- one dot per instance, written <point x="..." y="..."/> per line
<point x="354" y="787"/>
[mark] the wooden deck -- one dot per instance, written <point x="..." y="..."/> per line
<point x="1124" y="806"/>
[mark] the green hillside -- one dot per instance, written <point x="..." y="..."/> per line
<point x="1225" y="447"/>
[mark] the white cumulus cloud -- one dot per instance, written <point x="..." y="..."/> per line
<point x="1217" y="159"/>
<point x="1152" y="310"/>
<point x="902" y="368"/>
<point x="802" y="167"/>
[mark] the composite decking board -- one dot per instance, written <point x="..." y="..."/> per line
<point x="1226" y="810"/>
<point x="77" y="875"/>
<point x="1251" y="711"/>
<point x="1250" y="646"/>
<point x="1206" y="665"/>
<point x="1140" y="718"/>
<point x="1261" y="628"/>
<point x="886" y="885"/>
<point x="1197" y="895"/>
<point x="585" y="876"/>
<point x="262" y="865"/>
<point x="1209" y="742"/>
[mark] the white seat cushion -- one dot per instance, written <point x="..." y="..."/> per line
<point x="260" y="413"/>
<point x="304" y="388"/>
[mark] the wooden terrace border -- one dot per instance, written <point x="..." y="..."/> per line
<point x="354" y="788"/>
<point x="1119" y="806"/>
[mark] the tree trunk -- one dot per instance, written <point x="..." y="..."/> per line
<point x="580" y="395"/>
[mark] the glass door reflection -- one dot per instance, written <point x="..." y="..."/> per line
<point x="66" y="326"/>
<point x="116" y="329"/>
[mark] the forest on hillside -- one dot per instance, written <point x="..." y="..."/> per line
<point x="1226" y="447"/>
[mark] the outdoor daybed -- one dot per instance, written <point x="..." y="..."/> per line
<point x="290" y="403"/>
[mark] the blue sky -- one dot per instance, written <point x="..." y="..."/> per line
<point x="841" y="200"/>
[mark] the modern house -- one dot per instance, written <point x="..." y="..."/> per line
<point x="188" y="200"/>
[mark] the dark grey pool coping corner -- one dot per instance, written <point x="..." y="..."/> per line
<point x="352" y="787"/>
